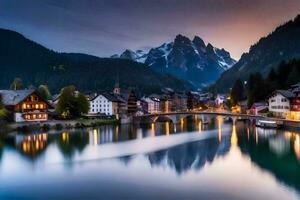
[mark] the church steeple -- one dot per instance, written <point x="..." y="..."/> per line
<point x="117" y="89"/>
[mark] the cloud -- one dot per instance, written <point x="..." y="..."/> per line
<point x="108" y="26"/>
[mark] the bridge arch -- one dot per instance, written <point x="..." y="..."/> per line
<point x="204" y="116"/>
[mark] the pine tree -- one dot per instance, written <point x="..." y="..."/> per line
<point x="237" y="92"/>
<point x="17" y="84"/>
<point x="293" y="77"/>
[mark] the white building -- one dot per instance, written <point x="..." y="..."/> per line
<point x="103" y="103"/>
<point x="279" y="102"/>
<point x="220" y="99"/>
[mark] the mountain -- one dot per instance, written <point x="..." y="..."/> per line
<point x="193" y="61"/>
<point x="281" y="45"/>
<point x="35" y="65"/>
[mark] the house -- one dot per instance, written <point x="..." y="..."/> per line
<point x="295" y="103"/>
<point x="179" y="102"/>
<point x="295" y="108"/>
<point x="130" y="100"/>
<point x="241" y="107"/>
<point x="142" y="107"/>
<point x="153" y="102"/>
<point x="166" y="103"/>
<point x="259" y="107"/>
<point x="54" y="100"/>
<point x="194" y="101"/>
<point x="25" y="105"/>
<point x="220" y="99"/>
<point x="280" y="102"/>
<point x="104" y="103"/>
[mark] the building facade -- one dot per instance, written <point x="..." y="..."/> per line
<point x="153" y="104"/>
<point x="280" y="103"/>
<point x="103" y="103"/>
<point x="25" y="105"/>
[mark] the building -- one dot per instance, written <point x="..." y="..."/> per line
<point x="127" y="100"/>
<point x="195" y="102"/>
<point x="142" y="107"/>
<point x="25" y="105"/>
<point x="166" y="103"/>
<point x="130" y="100"/>
<point x="241" y="107"/>
<point x="295" y="108"/>
<point x="280" y="103"/>
<point x="259" y="107"/>
<point x="179" y="102"/>
<point x="295" y="103"/>
<point x="153" y="104"/>
<point x="104" y="103"/>
<point x="220" y="99"/>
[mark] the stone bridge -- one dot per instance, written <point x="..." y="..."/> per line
<point x="176" y="117"/>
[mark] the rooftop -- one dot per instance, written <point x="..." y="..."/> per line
<point x="13" y="97"/>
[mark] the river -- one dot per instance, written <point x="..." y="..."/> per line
<point x="189" y="160"/>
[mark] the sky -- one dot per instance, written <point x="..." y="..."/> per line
<point x="107" y="27"/>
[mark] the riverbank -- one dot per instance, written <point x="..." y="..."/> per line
<point x="56" y="125"/>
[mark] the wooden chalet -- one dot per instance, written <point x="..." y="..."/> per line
<point x="25" y="105"/>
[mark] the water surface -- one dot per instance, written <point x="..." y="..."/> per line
<point x="190" y="160"/>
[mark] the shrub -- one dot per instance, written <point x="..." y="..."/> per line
<point x="45" y="127"/>
<point x="59" y="127"/>
<point x="270" y="114"/>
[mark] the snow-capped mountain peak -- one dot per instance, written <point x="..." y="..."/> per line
<point x="191" y="60"/>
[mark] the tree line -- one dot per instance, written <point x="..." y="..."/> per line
<point x="258" y="87"/>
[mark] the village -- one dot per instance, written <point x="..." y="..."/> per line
<point x="29" y="105"/>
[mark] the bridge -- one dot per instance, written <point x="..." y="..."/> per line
<point x="176" y="117"/>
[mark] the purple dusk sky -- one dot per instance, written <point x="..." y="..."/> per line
<point x="106" y="27"/>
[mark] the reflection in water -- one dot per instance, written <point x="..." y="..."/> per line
<point x="65" y="137"/>
<point x="189" y="156"/>
<point x="234" y="138"/>
<point x="181" y="124"/>
<point x="279" y="145"/>
<point x="220" y="121"/>
<point x="200" y="126"/>
<point x="152" y="133"/>
<point x="167" y="128"/>
<point x="32" y="145"/>
<point x="272" y="151"/>
<point x="248" y="133"/>
<point x="274" y="154"/>
<point x="297" y="146"/>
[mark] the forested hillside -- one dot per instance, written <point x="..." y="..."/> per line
<point x="35" y="65"/>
